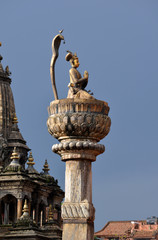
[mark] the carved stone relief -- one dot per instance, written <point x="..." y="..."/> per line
<point x="78" y="210"/>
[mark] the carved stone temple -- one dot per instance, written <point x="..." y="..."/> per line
<point x="30" y="202"/>
<point x="79" y="122"/>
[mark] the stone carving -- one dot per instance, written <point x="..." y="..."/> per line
<point x="78" y="210"/>
<point x="76" y="121"/>
<point x="78" y="149"/>
<point x="78" y="145"/>
<point x="96" y="127"/>
<point x="9" y="191"/>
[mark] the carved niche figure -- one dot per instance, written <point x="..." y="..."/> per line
<point x="77" y="83"/>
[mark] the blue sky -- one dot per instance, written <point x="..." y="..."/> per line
<point x="117" y="43"/>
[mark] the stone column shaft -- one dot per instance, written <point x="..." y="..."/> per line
<point x="78" y="210"/>
<point x="78" y="181"/>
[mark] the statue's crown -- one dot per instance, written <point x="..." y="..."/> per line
<point x="70" y="56"/>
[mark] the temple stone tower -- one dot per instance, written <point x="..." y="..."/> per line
<point x="10" y="135"/>
<point x="79" y="122"/>
<point x="30" y="202"/>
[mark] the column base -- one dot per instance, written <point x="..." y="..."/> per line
<point x="78" y="231"/>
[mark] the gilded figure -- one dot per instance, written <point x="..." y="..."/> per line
<point x="77" y="82"/>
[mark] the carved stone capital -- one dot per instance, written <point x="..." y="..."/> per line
<point x="78" y="118"/>
<point x="80" y="210"/>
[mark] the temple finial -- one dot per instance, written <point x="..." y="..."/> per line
<point x="0" y="55"/>
<point x="14" y="166"/>
<point x="15" y="119"/>
<point x="30" y="160"/>
<point x="25" y="210"/>
<point x="15" y="155"/>
<point x="7" y="71"/>
<point x="46" y="168"/>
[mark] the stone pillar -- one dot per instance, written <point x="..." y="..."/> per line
<point x="19" y="207"/>
<point x="77" y="210"/>
<point x="79" y="124"/>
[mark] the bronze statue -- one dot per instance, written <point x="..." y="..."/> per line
<point x="77" y="83"/>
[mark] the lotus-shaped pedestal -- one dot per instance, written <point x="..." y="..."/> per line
<point x="78" y="124"/>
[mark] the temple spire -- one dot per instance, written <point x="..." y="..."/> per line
<point x="30" y="160"/>
<point x="9" y="130"/>
<point x="7" y="107"/>
<point x="14" y="166"/>
<point x="31" y="170"/>
<point x="46" y="168"/>
<point x="25" y="211"/>
<point x="15" y="119"/>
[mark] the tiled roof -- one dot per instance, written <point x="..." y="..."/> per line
<point x="115" y="229"/>
<point x="144" y="234"/>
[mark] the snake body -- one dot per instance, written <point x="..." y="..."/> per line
<point x="55" y="49"/>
